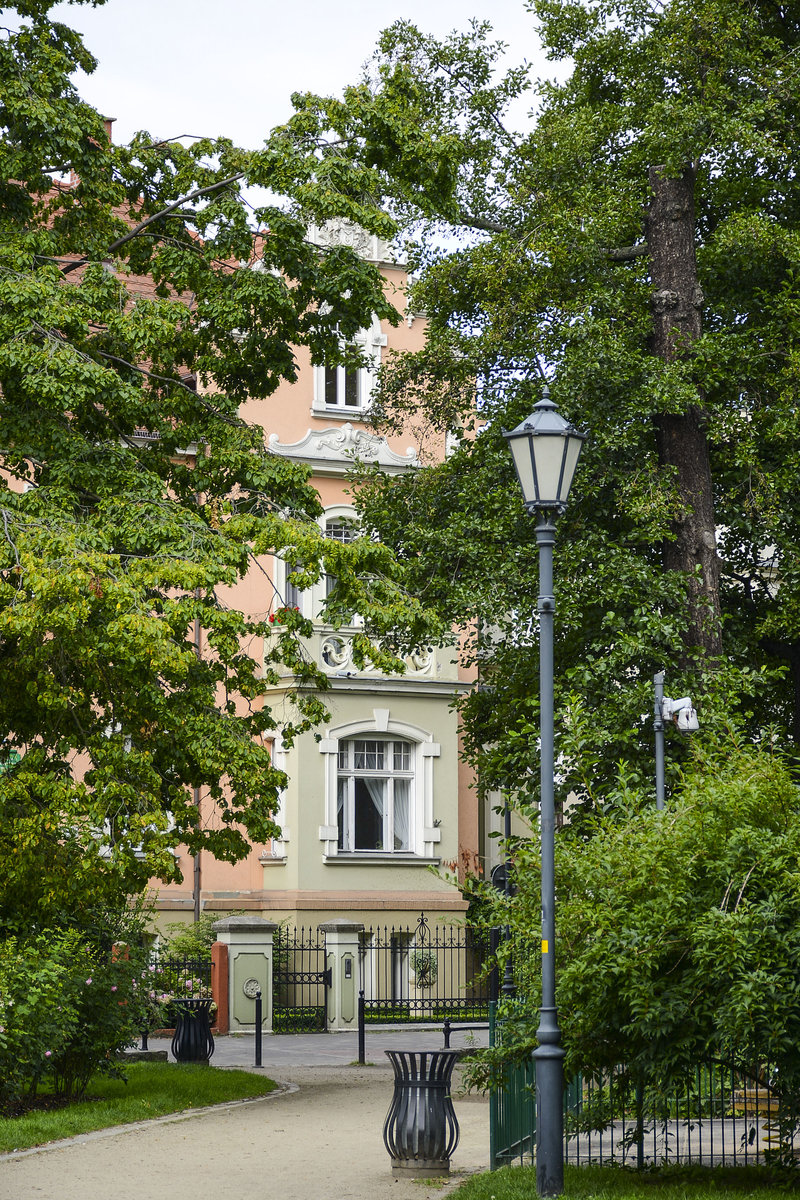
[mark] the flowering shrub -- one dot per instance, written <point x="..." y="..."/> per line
<point x="168" y="980"/>
<point x="67" y="1009"/>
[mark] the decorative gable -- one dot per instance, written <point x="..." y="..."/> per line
<point x="335" y="451"/>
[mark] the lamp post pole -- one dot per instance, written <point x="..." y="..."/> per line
<point x="549" y="1054"/>
<point x="682" y="713"/>
<point x="508" y="989"/>
<point x="658" y="728"/>
<point x="545" y="448"/>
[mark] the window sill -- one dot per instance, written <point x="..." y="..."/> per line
<point x="338" y="412"/>
<point x="371" y="858"/>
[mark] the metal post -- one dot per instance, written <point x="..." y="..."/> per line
<point x="508" y="988"/>
<point x="658" y="726"/>
<point x="362" y="1039"/>
<point x="639" y="1125"/>
<point x="549" y="1054"/>
<point x="258" y="1028"/>
<point x="197" y="872"/>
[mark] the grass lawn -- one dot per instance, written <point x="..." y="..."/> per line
<point x="152" y="1090"/>
<point x="616" y="1183"/>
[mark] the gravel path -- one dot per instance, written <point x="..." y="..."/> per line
<point x="320" y="1137"/>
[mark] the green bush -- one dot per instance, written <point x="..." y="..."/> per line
<point x="67" y="1009"/>
<point x="37" y="1019"/>
<point x="193" y="940"/>
<point x="678" y="930"/>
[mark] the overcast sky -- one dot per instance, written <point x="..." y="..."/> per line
<point x="228" y="67"/>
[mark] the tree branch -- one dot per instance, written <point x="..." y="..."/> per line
<point x="484" y="223"/>
<point x="137" y="229"/>
<point x="235" y="421"/>
<point x="626" y="253"/>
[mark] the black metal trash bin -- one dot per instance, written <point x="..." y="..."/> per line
<point x="193" y="1040"/>
<point x="421" y="1130"/>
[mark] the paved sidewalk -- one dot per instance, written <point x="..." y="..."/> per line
<point x="328" y="1049"/>
<point x="320" y="1137"/>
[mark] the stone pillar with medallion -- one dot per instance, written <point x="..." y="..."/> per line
<point x="250" y="953"/>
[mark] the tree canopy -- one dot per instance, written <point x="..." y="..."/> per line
<point x="637" y="244"/>
<point x="143" y="297"/>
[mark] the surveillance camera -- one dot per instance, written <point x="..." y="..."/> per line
<point x="686" y="720"/>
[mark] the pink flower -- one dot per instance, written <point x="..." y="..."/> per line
<point x="114" y="988"/>
<point x="89" y="980"/>
<point x="47" y="1053"/>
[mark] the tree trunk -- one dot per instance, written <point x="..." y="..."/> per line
<point x="680" y="437"/>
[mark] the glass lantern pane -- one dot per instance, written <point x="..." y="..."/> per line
<point x="574" y="446"/>
<point x="549" y="454"/>
<point x="521" y="452"/>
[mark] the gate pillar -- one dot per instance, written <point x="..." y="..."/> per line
<point x="341" y="960"/>
<point x="249" y="942"/>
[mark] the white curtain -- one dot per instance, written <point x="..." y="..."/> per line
<point x="376" y="789"/>
<point x="341" y="819"/>
<point x="402" y="815"/>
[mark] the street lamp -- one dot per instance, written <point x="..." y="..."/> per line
<point x="545" y="449"/>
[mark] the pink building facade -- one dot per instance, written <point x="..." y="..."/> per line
<point x="377" y="803"/>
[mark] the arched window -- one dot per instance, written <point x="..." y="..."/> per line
<point x="338" y="529"/>
<point x="374" y="795"/>
<point x="379" y="792"/>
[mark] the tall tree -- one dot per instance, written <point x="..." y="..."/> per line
<point x="637" y="242"/>
<point x="142" y="299"/>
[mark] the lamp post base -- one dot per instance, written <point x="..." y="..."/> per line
<point x="549" y="1063"/>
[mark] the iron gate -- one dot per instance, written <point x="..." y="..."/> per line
<point x="424" y="972"/>
<point x="300" y="981"/>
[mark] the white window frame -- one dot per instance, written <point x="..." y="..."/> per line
<point x="314" y="598"/>
<point x="352" y="770"/>
<point x="287" y="594"/>
<point x="369" y="342"/>
<point x="424" y="835"/>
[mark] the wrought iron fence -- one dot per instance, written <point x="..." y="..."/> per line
<point x="424" y="972"/>
<point x="715" y="1115"/>
<point x="168" y="979"/>
<point x="182" y="977"/>
<point x="512" y="1107"/>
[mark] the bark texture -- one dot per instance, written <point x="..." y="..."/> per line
<point x="677" y="303"/>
